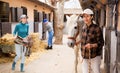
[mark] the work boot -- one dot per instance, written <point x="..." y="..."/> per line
<point x="50" y="47"/>
<point x="47" y="47"/>
<point x="13" y="65"/>
<point x="22" y="67"/>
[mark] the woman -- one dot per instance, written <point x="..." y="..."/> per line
<point x="49" y="28"/>
<point x="21" y="30"/>
<point x="92" y="43"/>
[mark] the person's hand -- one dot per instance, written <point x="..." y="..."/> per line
<point x="13" y="38"/>
<point x="88" y="46"/>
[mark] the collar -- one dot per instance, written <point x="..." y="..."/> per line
<point x="89" y="25"/>
<point x="22" y="23"/>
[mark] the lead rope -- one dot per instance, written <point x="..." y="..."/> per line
<point x="89" y="62"/>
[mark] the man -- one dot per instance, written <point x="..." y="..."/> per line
<point x="49" y="28"/>
<point x="92" y="43"/>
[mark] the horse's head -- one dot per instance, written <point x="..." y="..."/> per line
<point x="74" y="25"/>
<point x="72" y="29"/>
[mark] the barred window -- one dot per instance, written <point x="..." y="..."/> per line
<point x="4" y="12"/>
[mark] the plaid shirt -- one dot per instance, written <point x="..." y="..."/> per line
<point x="93" y="35"/>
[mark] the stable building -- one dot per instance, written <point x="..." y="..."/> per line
<point x="36" y="10"/>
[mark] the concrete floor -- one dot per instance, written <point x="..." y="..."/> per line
<point x="58" y="60"/>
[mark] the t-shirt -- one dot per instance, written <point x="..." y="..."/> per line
<point x="49" y="27"/>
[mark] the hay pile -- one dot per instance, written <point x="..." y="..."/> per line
<point x="7" y="43"/>
<point x="37" y="48"/>
<point x="38" y="45"/>
<point x="7" y="39"/>
<point x="6" y="60"/>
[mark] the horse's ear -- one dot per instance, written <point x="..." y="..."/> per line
<point x="67" y="17"/>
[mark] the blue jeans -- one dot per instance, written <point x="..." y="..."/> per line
<point x="50" y="37"/>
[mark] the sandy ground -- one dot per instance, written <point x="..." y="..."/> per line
<point x="58" y="60"/>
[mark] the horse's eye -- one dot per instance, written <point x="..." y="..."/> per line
<point x="75" y="27"/>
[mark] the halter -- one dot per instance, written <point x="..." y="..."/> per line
<point x="74" y="37"/>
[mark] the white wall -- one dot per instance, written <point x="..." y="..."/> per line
<point x="40" y="29"/>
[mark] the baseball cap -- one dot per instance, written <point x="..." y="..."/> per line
<point x="23" y="16"/>
<point x="88" y="11"/>
<point x="45" y="20"/>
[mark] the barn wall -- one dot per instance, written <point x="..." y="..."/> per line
<point x="30" y="6"/>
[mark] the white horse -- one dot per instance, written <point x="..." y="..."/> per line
<point x="74" y="25"/>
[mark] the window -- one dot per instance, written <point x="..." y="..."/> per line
<point x="40" y="16"/>
<point x="17" y="12"/>
<point x="4" y="12"/>
<point x="24" y="10"/>
<point x="44" y="15"/>
<point x="13" y="14"/>
<point x="48" y="17"/>
<point x="36" y="16"/>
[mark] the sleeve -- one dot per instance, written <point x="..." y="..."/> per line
<point x="15" y="30"/>
<point x="100" y="39"/>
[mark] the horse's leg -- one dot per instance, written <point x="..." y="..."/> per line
<point x="76" y="58"/>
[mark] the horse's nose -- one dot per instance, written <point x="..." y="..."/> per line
<point x="75" y="27"/>
<point x="71" y="44"/>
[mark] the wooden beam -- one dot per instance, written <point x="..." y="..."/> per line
<point x="102" y="5"/>
<point x="118" y="28"/>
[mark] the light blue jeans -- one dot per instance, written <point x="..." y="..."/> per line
<point x="50" y="37"/>
<point x="20" y="53"/>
